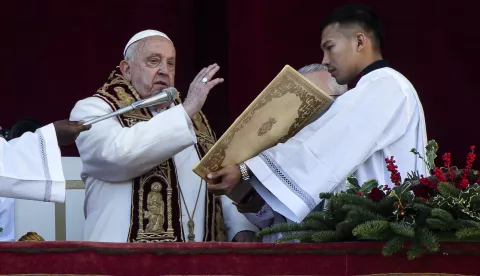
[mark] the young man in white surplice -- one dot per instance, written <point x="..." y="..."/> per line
<point x="381" y="115"/>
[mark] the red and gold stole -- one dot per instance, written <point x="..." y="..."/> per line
<point x="156" y="214"/>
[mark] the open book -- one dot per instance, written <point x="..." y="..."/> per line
<point x="285" y="106"/>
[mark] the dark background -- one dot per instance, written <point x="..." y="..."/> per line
<point x="55" y="53"/>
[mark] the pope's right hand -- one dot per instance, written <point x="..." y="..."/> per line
<point x="68" y="131"/>
<point x="198" y="91"/>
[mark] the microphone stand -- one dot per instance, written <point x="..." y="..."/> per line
<point x="167" y="95"/>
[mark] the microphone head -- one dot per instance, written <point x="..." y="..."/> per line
<point x="167" y="95"/>
<point x="172" y="92"/>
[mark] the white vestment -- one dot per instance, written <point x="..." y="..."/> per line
<point x="112" y="156"/>
<point x="7" y="219"/>
<point x="31" y="167"/>
<point x="381" y="117"/>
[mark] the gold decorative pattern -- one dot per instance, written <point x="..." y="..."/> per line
<point x="287" y="85"/>
<point x="155" y="208"/>
<point x="267" y="126"/>
<point x="31" y="236"/>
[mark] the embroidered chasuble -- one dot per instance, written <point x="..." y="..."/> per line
<point x="156" y="214"/>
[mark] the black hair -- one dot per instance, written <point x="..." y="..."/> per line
<point x="24" y="125"/>
<point x="360" y="15"/>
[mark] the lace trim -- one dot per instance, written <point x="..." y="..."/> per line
<point x="48" y="178"/>
<point x="288" y="181"/>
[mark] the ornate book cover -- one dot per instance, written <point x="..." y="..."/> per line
<point x="284" y="107"/>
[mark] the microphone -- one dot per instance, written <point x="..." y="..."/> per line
<point x="167" y="95"/>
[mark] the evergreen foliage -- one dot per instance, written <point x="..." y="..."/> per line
<point x="411" y="216"/>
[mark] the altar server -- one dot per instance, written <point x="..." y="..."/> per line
<point x="381" y="116"/>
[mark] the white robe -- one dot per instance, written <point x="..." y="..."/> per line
<point x="112" y="156"/>
<point x="7" y="219"/>
<point x="381" y="117"/>
<point x="30" y="168"/>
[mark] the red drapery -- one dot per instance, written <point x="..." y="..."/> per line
<point x="45" y="42"/>
<point x="354" y="258"/>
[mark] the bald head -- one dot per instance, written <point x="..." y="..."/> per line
<point x="319" y="75"/>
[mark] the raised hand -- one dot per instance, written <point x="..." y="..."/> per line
<point x="199" y="89"/>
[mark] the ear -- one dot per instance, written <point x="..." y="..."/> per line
<point x="126" y="69"/>
<point x="361" y="40"/>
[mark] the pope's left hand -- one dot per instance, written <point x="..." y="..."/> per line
<point x="226" y="180"/>
<point x="245" y="236"/>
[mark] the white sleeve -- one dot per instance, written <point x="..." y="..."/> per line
<point x="292" y="175"/>
<point x="234" y="221"/>
<point x="31" y="167"/>
<point x="112" y="153"/>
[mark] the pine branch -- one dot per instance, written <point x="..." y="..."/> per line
<point x="334" y="207"/>
<point x="402" y="228"/>
<point x="464" y="233"/>
<point x="436" y="224"/>
<point x="374" y="229"/>
<point x="349" y="207"/>
<point x="463" y="223"/>
<point x="326" y="236"/>
<point x="361" y="215"/>
<point x="445" y="216"/>
<point x="422" y="207"/>
<point x="358" y="216"/>
<point x="306" y="235"/>
<point x="292" y="227"/>
<point x="345" y="228"/>
<point x="393" y="245"/>
<point x="326" y="195"/>
<point x="428" y="239"/>
<point x="415" y="250"/>
<point x="385" y="206"/>
<point x="357" y="200"/>
<point x="322" y="216"/>
<point x="424" y="212"/>
<point x="448" y="190"/>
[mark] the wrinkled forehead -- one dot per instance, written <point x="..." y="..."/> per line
<point x="157" y="45"/>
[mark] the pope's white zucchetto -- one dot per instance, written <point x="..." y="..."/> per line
<point x="142" y="35"/>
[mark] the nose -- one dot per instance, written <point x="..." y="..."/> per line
<point x="163" y="68"/>
<point x="325" y="60"/>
